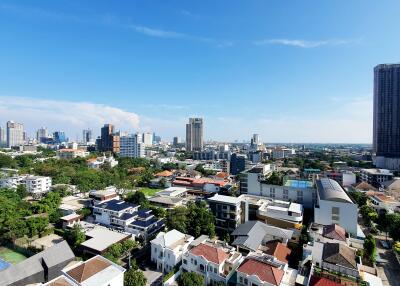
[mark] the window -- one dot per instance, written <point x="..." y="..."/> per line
<point x="246" y="281"/>
<point x="215" y="270"/>
<point x="335" y="214"/>
<point x="241" y="279"/>
<point x="184" y="261"/>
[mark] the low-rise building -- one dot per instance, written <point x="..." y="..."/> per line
<point x="37" y="185"/>
<point x="168" y="248"/>
<point x="376" y="177"/>
<point x="101" y="196"/>
<point x="334" y="206"/>
<point x="96" y="163"/>
<point x="127" y="217"/>
<point x="72" y="153"/>
<point x="70" y="220"/>
<point x="215" y="260"/>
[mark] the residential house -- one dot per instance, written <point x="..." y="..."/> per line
<point x="216" y="261"/>
<point x="168" y="248"/>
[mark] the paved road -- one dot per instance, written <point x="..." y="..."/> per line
<point x="389" y="271"/>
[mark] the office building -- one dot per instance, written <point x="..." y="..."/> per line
<point x="15" y="134"/>
<point x="237" y="163"/>
<point x="108" y="141"/>
<point x="147" y="139"/>
<point x="176" y="141"/>
<point x="87" y="136"/>
<point x="131" y="146"/>
<point x="386" y="121"/>
<point x="194" y="134"/>
<point x="42" y="134"/>
<point x="59" y="137"/>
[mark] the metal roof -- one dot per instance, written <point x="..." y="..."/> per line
<point x="330" y="190"/>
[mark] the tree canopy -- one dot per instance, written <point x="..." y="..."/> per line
<point x="191" y="279"/>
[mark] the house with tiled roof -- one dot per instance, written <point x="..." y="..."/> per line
<point x="97" y="271"/>
<point x="215" y="260"/>
<point x="262" y="270"/>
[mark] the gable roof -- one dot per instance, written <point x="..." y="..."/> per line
<point x="164" y="173"/>
<point x="251" y="234"/>
<point x="211" y="253"/>
<point x="334" y="231"/>
<point x="169" y="238"/>
<point x="340" y="254"/>
<point x="265" y="272"/>
<point x="87" y="269"/>
<point x="279" y="250"/>
<point x="321" y="281"/>
<point x="365" y="186"/>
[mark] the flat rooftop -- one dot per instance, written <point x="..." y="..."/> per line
<point x="102" y="238"/>
<point x="301" y="184"/>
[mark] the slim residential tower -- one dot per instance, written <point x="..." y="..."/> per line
<point x="194" y="134"/>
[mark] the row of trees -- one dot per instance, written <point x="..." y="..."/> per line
<point x="19" y="218"/>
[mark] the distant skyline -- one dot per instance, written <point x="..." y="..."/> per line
<point x="291" y="71"/>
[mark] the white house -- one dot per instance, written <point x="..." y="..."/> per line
<point x="334" y="206"/>
<point x="167" y="249"/>
<point x="214" y="260"/>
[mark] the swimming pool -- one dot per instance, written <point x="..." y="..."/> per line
<point x="4" y="264"/>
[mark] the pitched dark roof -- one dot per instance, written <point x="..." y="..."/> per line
<point x="115" y="205"/>
<point x="339" y="254"/>
<point x="334" y="231"/>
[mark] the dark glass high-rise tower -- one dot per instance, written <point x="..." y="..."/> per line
<point x="386" y="132"/>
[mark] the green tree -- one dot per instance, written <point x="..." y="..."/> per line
<point x="359" y="197"/>
<point x="191" y="279"/>
<point x="21" y="191"/>
<point x="6" y="161"/>
<point x="134" y="277"/>
<point x="137" y="198"/>
<point x="177" y="219"/>
<point x="36" y="225"/>
<point x="370" y="248"/>
<point x="75" y="236"/>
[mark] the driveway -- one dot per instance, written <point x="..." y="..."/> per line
<point x="388" y="271"/>
<point x="154" y="278"/>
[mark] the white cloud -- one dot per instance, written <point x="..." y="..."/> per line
<point x="305" y="43"/>
<point x="65" y="115"/>
<point x="157" y="32"/>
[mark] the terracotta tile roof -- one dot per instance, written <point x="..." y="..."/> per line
<point x="265" y="272"/>
<point x="213" y="254"/>
<point x="334" y="231"/>
<point x="279" y="250"/>
<point x="365" y="187"/>
<point x="61" y="281"/>
<point x="165" y="173"/>
<point x="321" y="281"/>
<point x="86" y="270"/>
<point x="222" y="175"/>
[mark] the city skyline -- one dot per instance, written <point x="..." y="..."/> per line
<point x="244" y="69"/>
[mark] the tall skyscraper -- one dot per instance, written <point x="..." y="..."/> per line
<point x="132" y="146"/>
<point x="194" y="134"/>
<point x="176" y="141"/>
<point x="87" y="136"/>
<point x="59" y="137"/>
<point x="108" y="141"/>
<point x="42" y="134"/>
<point x="147" y="139"/>
<point x="15" y="134"/>
<point x="3" y="137"/>
<point x="386" y="129"/>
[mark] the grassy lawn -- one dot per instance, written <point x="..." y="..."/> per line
<point x="149" y="192"/>
<point x="11" y="256"/>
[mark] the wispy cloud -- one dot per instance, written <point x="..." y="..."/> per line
<point x="71" y="115"/>
<point x="305" y="43"/>
<point x="157" y="32"/>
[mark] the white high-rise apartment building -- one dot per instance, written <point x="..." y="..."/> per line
<point x="3" y="136"/>
<point x="15" y="134"/>
<point x="131" y="146"/>
<point x="256" y="139"/>
<point x="194" y="134"/>
<point x="147" y="139"/>
<point x="42" y="133"/>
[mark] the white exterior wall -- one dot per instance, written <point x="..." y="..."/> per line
<point x="306" y="197"/>
<point x="207" y="274"/>
<point x="348" y="214"/>
<point x="36" y="185"/>
<point x="117" y="281"/>
<point x="348" y="179"/>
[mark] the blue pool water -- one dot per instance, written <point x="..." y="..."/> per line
<point x="4" y="264"/>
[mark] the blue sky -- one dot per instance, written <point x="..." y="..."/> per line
<point x="293" y="71"/>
